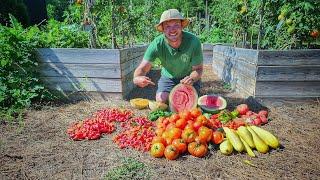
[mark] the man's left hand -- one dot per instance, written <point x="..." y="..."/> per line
<point x="187" y="80"/>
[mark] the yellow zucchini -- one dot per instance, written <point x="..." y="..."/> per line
<point x="246" y="136"/>
<point x="234" y="139"/>
<point x="259" y="144"/>
<point x="267" y="137"/>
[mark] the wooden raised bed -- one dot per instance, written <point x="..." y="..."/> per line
<point x="267" y="73"/>
<point x="72" y="70"/>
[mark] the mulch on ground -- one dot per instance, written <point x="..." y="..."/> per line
<point x="41" y="149"/>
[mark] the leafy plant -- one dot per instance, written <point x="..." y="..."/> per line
<point x="129" y="169"/>
<point x="19" y="82"/>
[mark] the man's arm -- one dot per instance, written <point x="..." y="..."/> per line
<point x="194" y="76"/>
<point x="139" y="77"/>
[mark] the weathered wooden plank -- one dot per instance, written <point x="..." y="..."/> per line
<point x="248" y="55"/>
<point x="288" y="89"/>
<point x="207" y="57"/>
<point x="236" y="77"/>
<point x="207" y="47"/>
<point x="222" y="57"/>
<point x="80" y="70"/>
<point x="241" y="66"/>
<point x="127" y="54"/>
<point x="79" y="55"/>
<point x="244" y="83"/>
<point x="130" y="66"/>
<point x="83" y="84"/>
<point x="288" y="73"/>
<point x="289" y="57"/>
<point x="127" y="84"/>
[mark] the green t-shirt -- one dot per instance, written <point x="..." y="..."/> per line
<point x="176" y="63"/>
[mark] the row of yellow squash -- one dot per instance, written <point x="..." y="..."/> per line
<point x="247" y="138"/>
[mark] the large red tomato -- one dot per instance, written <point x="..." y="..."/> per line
<point x="180" y="144"/>
<point x="171" y="152"/>
<point x="189" y="135"/>
<point x="197" y="149"/>
<point x="217" y="137"/>
<point x="157" y="150"/>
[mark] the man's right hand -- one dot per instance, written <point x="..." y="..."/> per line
<point x="142" y="81"/>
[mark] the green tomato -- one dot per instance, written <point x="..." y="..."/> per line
<point x="289" y="22"/>
<point x="280" y="17"/>
<point x="291" y="29"/>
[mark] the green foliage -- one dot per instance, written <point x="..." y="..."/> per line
<point x="129" y="169"/>
<point x="56" y="8"/>
<point x="285" y="24"/>
<point x="62" y="35"/>
<point x="19" y="77"/>
<point x="19" y="83"/>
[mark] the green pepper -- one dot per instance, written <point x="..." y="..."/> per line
<point x="224" y="117"/>
<point x="154" y="115"/>
<point x="234" y="114"/>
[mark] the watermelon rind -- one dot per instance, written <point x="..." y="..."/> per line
<point x="172" y="109"/>
<point x="210" y="109"/>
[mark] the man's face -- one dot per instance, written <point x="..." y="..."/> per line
<point x="172" y="30"/>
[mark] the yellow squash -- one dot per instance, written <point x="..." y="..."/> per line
<point x="234" y="139"/>
<point x="226" y="147"/>
<point x="244" y="133"/>
<point x="258" y="142"/>
<point x="248" y="149"/>
<point x="267" y="137"/>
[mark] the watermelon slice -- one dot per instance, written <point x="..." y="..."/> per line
<point x="182" y="97"/>
<point x="212" y="103"/>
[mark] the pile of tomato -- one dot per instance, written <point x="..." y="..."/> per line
<point x="113" y="114"/>
<point x="137" y="133"/>
<point x="102" y="122"/>
<point x="90" y="129"/>
<point x="188" y="131"/>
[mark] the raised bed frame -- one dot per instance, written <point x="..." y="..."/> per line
<point x="268" y="73"/>
<point x="97" y="71"/>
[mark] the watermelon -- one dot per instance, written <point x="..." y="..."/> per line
<point x="182" y="98"/>
<point x="212" y="103"/>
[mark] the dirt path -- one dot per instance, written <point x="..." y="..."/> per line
<point x="41" y="149"/>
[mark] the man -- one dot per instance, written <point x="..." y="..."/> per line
<point x="180" y="55"/>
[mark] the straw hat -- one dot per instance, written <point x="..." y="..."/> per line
<point x="169" y="15"/>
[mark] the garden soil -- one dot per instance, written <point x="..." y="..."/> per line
<point x="39" y="148"/>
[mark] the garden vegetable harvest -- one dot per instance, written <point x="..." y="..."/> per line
<point x="158" y="113"/>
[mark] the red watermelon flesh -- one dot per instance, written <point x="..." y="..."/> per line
<point x="182" y="97"/>
<point x="212" y="103"/>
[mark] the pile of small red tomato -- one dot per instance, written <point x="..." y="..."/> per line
<point x="137" y="133"/>
<point x="102" y="122"/>
<point x="188" y="131"/>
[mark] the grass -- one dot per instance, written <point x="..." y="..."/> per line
<point x="129" y="169"/>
